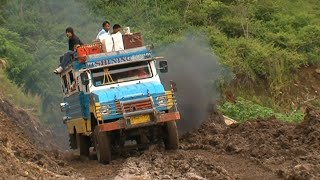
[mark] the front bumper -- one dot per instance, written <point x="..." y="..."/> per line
<point x="157" y="119"/>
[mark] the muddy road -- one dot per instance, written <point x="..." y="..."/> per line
<point x="261" y="149"/>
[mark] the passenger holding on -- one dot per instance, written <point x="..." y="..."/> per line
<point x="74" y="41"/>
<point x="105" y="30"/>
<point x="117" y="38"/>
<point x="116" y="29"/>
<point x="105" y="38"/>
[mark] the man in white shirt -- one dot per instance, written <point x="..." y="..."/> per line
<point x="117" y="38"/>
<point x="116" y="29"/>
<point x="105" y="30"/>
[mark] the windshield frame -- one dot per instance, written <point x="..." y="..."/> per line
<point x="100" y="73"/>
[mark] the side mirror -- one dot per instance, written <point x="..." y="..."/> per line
<point x="84" y="78"/>
<point x="163" y="66"/>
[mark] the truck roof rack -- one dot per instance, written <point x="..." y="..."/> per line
<point x="111" y="43"/>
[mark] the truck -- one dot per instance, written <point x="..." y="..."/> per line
<point x="114" y="101"/>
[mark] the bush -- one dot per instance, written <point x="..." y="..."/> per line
<point x="244" y="110"/>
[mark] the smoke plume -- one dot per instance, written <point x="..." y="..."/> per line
<point x="195" y="70"/>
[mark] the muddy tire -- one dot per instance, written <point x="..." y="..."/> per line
<point x="103" y="146"/>
<point x="84" y="145"/>
<point x="73" y="141"/>
<point x="171" y="137"/>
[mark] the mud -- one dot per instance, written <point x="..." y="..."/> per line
<point x="260" y="149"/>
<point x="285" y="151"/>
<point x="26" y="149"/>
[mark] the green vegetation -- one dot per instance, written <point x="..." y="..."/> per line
<point x="244" y="110"/>
<point x="262" y="42"/>
<point x="15" y="95"/>
<point x="32" y="37"/>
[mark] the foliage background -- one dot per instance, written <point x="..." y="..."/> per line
<point x="262" y="42"/>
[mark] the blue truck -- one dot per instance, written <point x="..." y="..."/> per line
<point x="115" y="101"/>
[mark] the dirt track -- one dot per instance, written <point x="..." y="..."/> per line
<point x="261" y="149"/>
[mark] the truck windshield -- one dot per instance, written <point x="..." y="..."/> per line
<point x="121" y="73"/>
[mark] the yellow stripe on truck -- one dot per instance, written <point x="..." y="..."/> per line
<point x="95" y="109"/>
<point x="169" y="95"/>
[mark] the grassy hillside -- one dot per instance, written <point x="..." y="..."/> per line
<point x="15" y="95"/>
<point x="32" y="37"/>
<point x="264" y="43"/>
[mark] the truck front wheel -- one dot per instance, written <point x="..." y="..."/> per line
<point x="171" y="137"/>
<point x="103" y="146"/>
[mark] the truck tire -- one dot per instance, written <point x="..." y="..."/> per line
<point x="72" y="141"/>
<point x="103" y="146"/>
<point x="84" y="145"/>
<point x="171" y="137"/>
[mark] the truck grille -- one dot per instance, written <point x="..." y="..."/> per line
<point x="133" y="105"/>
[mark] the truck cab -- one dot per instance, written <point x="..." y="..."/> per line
<point x="114" y="101"/>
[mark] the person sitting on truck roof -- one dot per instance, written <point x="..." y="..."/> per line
<point x="73" y="42"/>
<point x="105" y="30"/>
<point x="116" y="29"/>
<point x="117" y="38"/>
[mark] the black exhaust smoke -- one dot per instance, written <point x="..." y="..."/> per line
<point x="195" y="70"/>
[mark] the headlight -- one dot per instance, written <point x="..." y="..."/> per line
<point x="162" y="100"/>
<point x="105" y="109"/>
<point x="64" y="106"/>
